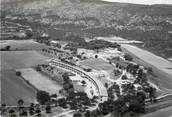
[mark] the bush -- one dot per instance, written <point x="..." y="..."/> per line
<point x="43" y="97"/>
<point x="48" y="109"/>
<point x="128" y="57"/>
<point x="18" y="73"/>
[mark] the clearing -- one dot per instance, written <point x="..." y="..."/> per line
<point x="97" y="64"/>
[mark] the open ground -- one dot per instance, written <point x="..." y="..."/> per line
<point x="21" y="44"/>
<point x="97" y="64"/>
<point x="14" y="87"/>
<point x="40" y="81"/>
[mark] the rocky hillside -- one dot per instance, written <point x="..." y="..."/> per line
<point x="149" y="23"/>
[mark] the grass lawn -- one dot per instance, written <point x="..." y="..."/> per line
<point x="20" y="59"/>
<point x="22" y="44"/>
<point x="97" y="64"/>
<point x="14" y="88"/>
<point x="40" y="81"/>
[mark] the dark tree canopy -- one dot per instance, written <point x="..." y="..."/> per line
<point x="43" y="97"/>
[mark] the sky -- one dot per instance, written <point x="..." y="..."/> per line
<point x="149" y="2"/>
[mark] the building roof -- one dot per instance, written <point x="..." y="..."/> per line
<point x="75" y="78"/>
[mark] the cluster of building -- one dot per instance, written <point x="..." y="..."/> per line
<point x="86" y="79"/>
<point x="92" y="87"/>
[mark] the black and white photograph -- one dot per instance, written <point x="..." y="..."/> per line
<point x="86" y="58"/>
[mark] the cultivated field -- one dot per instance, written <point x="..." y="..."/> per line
<point x="160" y="66"/>
<point x="21" y="44"/>
<point x="97" y="64"/>
<point x="14" y="88"/>
<point x="26" y="56"/>
<point x="167" y="112"/>
<point x="40" y="81"/>
<point x="20" y="59"/>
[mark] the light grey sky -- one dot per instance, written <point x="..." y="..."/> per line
<point x="143" y="1"/>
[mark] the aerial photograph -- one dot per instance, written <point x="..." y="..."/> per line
<point x="86" y="58"/>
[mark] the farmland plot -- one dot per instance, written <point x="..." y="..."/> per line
<point x="97" y="64"/>
<point x="40" y="81"/>
<point x="14" y="88"/>
<point x="21" y="44"/>
<point x="20" y="59"/>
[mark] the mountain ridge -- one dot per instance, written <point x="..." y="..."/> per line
<point x="148" y="23"/>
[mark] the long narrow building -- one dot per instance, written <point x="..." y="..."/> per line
<point x="102" y="91"/>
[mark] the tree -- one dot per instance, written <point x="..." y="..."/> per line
<point x="77" y="114"/>
<point x="62" y="102"/>
<point x="31" y="109"/>
<point x="7" y="48"/>
<point x="48" y="109"/>
<point x="136" y="106"/>
<point x="106" y="85"/>
<point x="12" y="113"/>
<point x="3" y="109"/>
<point x="117" y="65"/>
<point x="54" y="95"/>
<point x="29" y="34"/>
<point x="124" y="77"/>
<point x="23" y="113"/>
<point x="79" y="56"/>
<point x="150" y="70"/>
<point x="83" y="82"/>
<point x="43" y="97"/>
<point x="20" y="102"/>
<point x="38" y="68"/>
<point x="65" y="77"/>
<point x="38" y="112"/>
<point x="128" y="57"/>
<point x="96" y="56"/>
<point x="106" y="107"/>
<point x="18" y="73"/>
<point x="87" y="114"/>
<point x="152" y="94"/>
<point x="21" y="108"/>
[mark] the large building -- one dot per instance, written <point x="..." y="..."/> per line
<point x="96" y="84"/>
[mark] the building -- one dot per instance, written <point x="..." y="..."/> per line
<point x="94" y="85"/>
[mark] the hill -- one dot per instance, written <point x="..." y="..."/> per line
<point x="151" y="24"/>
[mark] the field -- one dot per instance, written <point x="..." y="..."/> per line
<point x="20" y="59"/>
<point x="21" y="44"/>
<point x="14" y="88"/>
<point x="167" y="112"/>
<point x="97" y="64"/>
<point x="40" y="81"/>
<point x="160" y="66"/>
